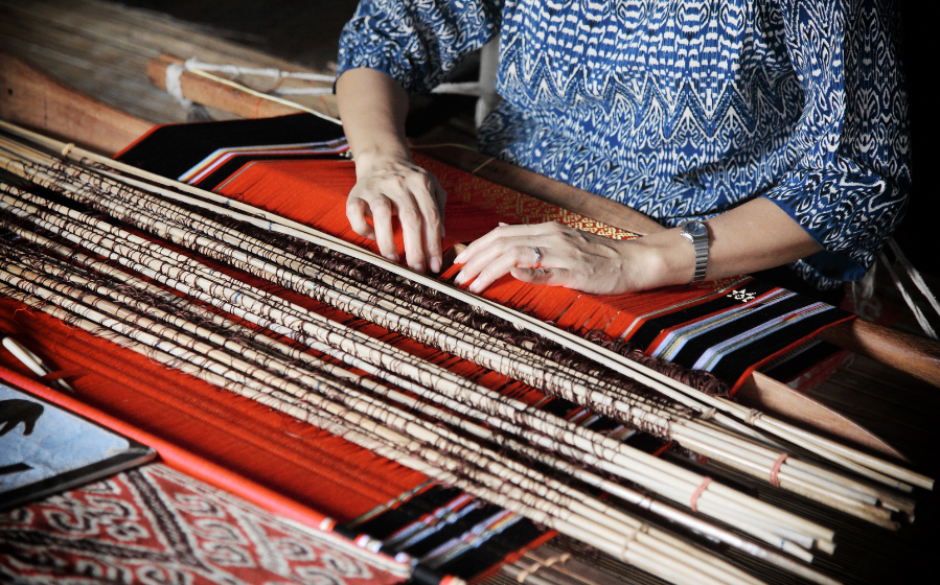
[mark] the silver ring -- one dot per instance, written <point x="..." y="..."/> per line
<point x="538" y="256"/>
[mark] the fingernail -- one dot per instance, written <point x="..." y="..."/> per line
<point x="459" y="258"/>
<point x="475" y="287"/>
<point x="418" y="268"/>
<point x="435" y="265"/>
<point x="392" y="257"/>
<point x="459" y="278"/>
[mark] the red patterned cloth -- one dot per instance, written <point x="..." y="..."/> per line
<point x="157" y="526"/>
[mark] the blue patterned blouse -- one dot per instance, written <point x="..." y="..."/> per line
<point x="683" y="109"/>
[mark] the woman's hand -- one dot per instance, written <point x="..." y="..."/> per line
<point x="551" y="253"/>
<point x="388" y="186"/>
<point x="373" y="107"/>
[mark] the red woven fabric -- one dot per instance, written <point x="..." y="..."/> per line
<point x="253" y="441"/>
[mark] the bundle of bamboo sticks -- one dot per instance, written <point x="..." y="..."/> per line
<point x="397" y="409"/>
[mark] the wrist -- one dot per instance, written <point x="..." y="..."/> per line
<point x="669" y="258"/>
<point x="372" y="157"/>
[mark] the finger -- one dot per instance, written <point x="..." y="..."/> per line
<point x="474" y="264"/>
<point x="423" y="190"/>
<point x="503" y="231"/>
<point x="381" y="209"/>
<point x="412" y="227"/>
<point x="551" y="276"/>
<point x="517" y="256"/>
<point x="356" y="214"/>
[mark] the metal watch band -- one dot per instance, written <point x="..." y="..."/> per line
<point x="697" y="233"/>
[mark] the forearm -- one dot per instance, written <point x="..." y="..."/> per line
<point x="373" y="107"/>
<point x="755" y="236"/>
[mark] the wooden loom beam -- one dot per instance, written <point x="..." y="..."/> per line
<point x="759" y="391"/>
<point x="31" y="98"/>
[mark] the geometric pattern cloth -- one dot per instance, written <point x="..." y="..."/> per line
<point x="155" y="525"/>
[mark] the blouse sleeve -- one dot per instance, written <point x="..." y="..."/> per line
<point x="848" y="184"/>
<point x="416" y="42"/>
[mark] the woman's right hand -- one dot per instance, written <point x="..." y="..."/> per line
<point x="393" y="185"/>
<point x="373" y="107"/>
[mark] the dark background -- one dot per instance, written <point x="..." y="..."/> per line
<point x="307" y="32"/>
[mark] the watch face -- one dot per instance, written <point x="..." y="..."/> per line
<point x="696" y="228"/>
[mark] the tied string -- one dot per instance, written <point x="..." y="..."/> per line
<point x="752" y="416"/>
<point x="775" y="470"/>
<point x="693" y="501"/>
<point x="67" y="149"/>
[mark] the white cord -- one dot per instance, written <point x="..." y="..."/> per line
<point x="918" y="315"/>
<point x="173" y="86"/>
<point x="193" y="64"/>
<point x="914" y="275"/>
<point x="471" y="88"/>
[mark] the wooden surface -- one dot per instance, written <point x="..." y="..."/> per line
<point x="34" y="100"/>
<point x="917" y="356"/>
<point x="102" y="49"/>
<point x="778" y="399"/>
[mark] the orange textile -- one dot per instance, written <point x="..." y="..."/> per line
<point x="294" y="459"/>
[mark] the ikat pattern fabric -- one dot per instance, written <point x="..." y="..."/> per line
<point x="683" y="109"/>
<point x="156" y="526"/>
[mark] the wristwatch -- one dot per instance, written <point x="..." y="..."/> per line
<point x="696" y="233"/>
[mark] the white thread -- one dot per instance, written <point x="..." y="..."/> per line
<point x="303" y="91"/>
<point x="174" y="71"/>
<point x="471" y="88"/>
<point x="918" y="315"/>
<point x="193" y="64"/>
<point x="914" y="275"/>
<point x="866" y="286"/>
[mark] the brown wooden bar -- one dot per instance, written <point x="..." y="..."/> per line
<point x="33" y="99"/>
<point x="203" y="90"/>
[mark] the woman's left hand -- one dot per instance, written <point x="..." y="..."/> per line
<point x="555" y="254"/>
